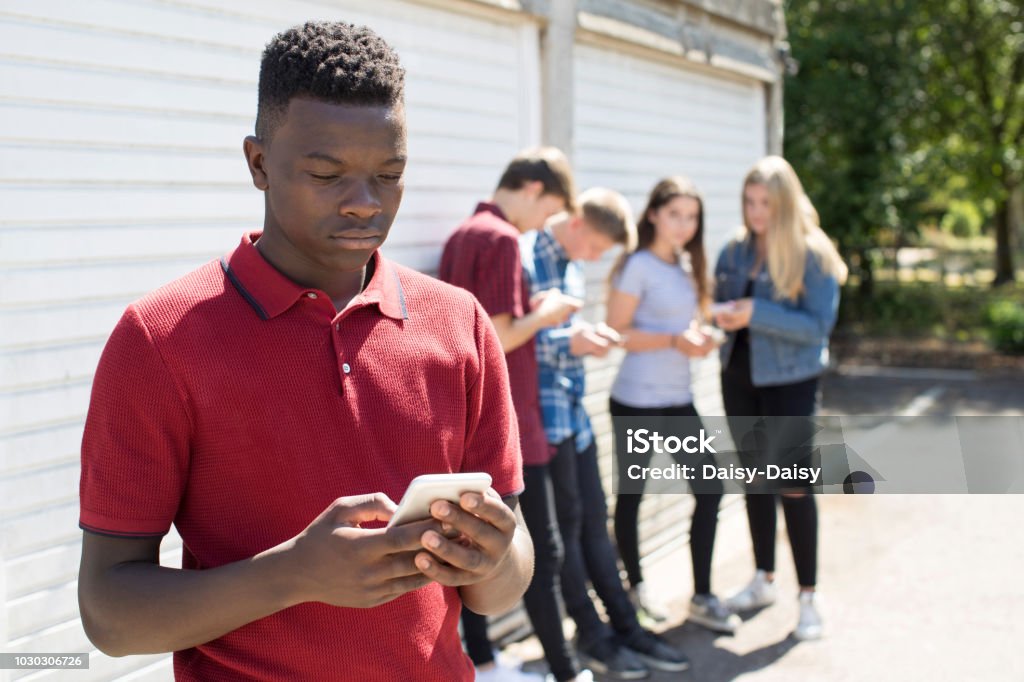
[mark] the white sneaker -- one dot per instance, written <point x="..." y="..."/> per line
<point x="584" y="676"/>
<point x="707" y="610"/>
<point x="760" y="592"/>
<point x="809" y="627"/>
<point x="644" y="603"/>
<point x="503" y="673"/>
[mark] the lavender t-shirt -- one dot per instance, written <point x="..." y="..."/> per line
<point x="668" y="303"/>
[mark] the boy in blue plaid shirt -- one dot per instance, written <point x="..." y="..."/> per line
<point x="551" y="260"/>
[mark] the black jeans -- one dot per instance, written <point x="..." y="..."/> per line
<point x="743" y="399"/>
<point x="543" y="598"/>
<point x="583" y="519"/>
<point x="704" y="521"/>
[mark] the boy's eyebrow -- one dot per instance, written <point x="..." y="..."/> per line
<point x="321" y="156"/>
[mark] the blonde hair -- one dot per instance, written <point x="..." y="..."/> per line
<point x="794" y="229"/>
<point x="608" y="212"/>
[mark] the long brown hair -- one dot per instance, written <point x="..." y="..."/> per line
<point x="665" y="191"/>
<point x="795" y="229"/>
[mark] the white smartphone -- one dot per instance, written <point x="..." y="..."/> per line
<point x="557" y="300"/>
<point x="717" y="308"/>
<point x="572" y="301"/>
<point x="421" y="493"/>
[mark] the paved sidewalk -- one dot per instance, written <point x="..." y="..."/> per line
<point x="914" y="587"/>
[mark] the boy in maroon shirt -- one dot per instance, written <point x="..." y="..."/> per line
<point x="483" y="256"/>
<point x="274" y="404"/>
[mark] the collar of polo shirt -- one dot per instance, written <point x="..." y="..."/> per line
<point x="270" y="293"/>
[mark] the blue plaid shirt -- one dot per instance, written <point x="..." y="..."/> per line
<point x="561" y="373"/>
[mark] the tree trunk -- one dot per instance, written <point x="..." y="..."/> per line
<point x="1004" y="243"/>
<point x="867" y="274"/>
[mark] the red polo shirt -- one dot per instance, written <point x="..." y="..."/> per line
<point x="237" y="405"/>
<point x="482" y="256"/>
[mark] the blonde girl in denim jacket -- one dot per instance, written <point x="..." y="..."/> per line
<point x="777" y="288"/>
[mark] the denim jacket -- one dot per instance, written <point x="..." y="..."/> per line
<point x="788" y="339"/>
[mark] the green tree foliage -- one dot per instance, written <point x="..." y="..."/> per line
<point x="845" y="113"/>
<point x="973" y="68"/>
<point x="893" y="100"/>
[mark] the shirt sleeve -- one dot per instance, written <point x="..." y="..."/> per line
<point x="632" y="280"/>
<point x="498" y="282"/>
<point x="810" y="319"/>
<point x="492" y="434"/>
<point x="135" y="448"/>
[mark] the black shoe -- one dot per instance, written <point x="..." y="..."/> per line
<point x="608" y="657"/>
<point x="655" y="652"/>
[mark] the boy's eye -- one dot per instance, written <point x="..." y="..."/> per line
<point x="391" y="177"/>
<point x="317" y="176"/>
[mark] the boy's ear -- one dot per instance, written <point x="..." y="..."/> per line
<point x="533" y="189"/>
<point x="253" y="148"/>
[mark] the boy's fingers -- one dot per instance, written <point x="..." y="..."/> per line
<point x="363" y="509"/>
<point x="399" y="586"/>
<point x="490" y="508"/>
<point x="399" y="566"/>
<point x="461" y="557"/>
<point x="406" y="537"/>
<point x="477" y="529"/>
<point x="445" y="575"/>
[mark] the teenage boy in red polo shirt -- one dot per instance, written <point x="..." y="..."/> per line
<point x="274" y="404"/>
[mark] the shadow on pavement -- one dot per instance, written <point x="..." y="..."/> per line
<point x="711" y="663"/>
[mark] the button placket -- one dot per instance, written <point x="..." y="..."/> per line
<point x="344" y="368"/>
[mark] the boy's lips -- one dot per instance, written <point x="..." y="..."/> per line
<point x="358" y="239"/>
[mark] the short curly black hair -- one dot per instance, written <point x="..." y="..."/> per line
<point x="331" y="61"/>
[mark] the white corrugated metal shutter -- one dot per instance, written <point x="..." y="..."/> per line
<point x="638" y="120"/>
<point x="121" y="125"/>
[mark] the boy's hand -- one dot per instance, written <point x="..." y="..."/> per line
<point x="338" y="562"/>
<point x="586" y="341"/>
<point x="610" y="334"/>
<point x="553" y="307"/>
<point x="486" y="526"/>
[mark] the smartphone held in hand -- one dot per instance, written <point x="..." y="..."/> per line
<point x="424" y="490"/>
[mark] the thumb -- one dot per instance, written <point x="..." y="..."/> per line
<point x="358" y="509"/>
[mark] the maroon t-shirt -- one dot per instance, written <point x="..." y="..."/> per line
<point x="482" y="256"/>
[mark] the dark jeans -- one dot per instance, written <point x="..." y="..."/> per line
<point x="743" y="399"/>
<point x="583" y="519"/>
<point x="543" y="598"/>
<point x="704" y="522"/>
<point x="478" y="642"/>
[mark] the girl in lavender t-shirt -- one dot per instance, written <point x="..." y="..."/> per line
<point x="659" y="294"/>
